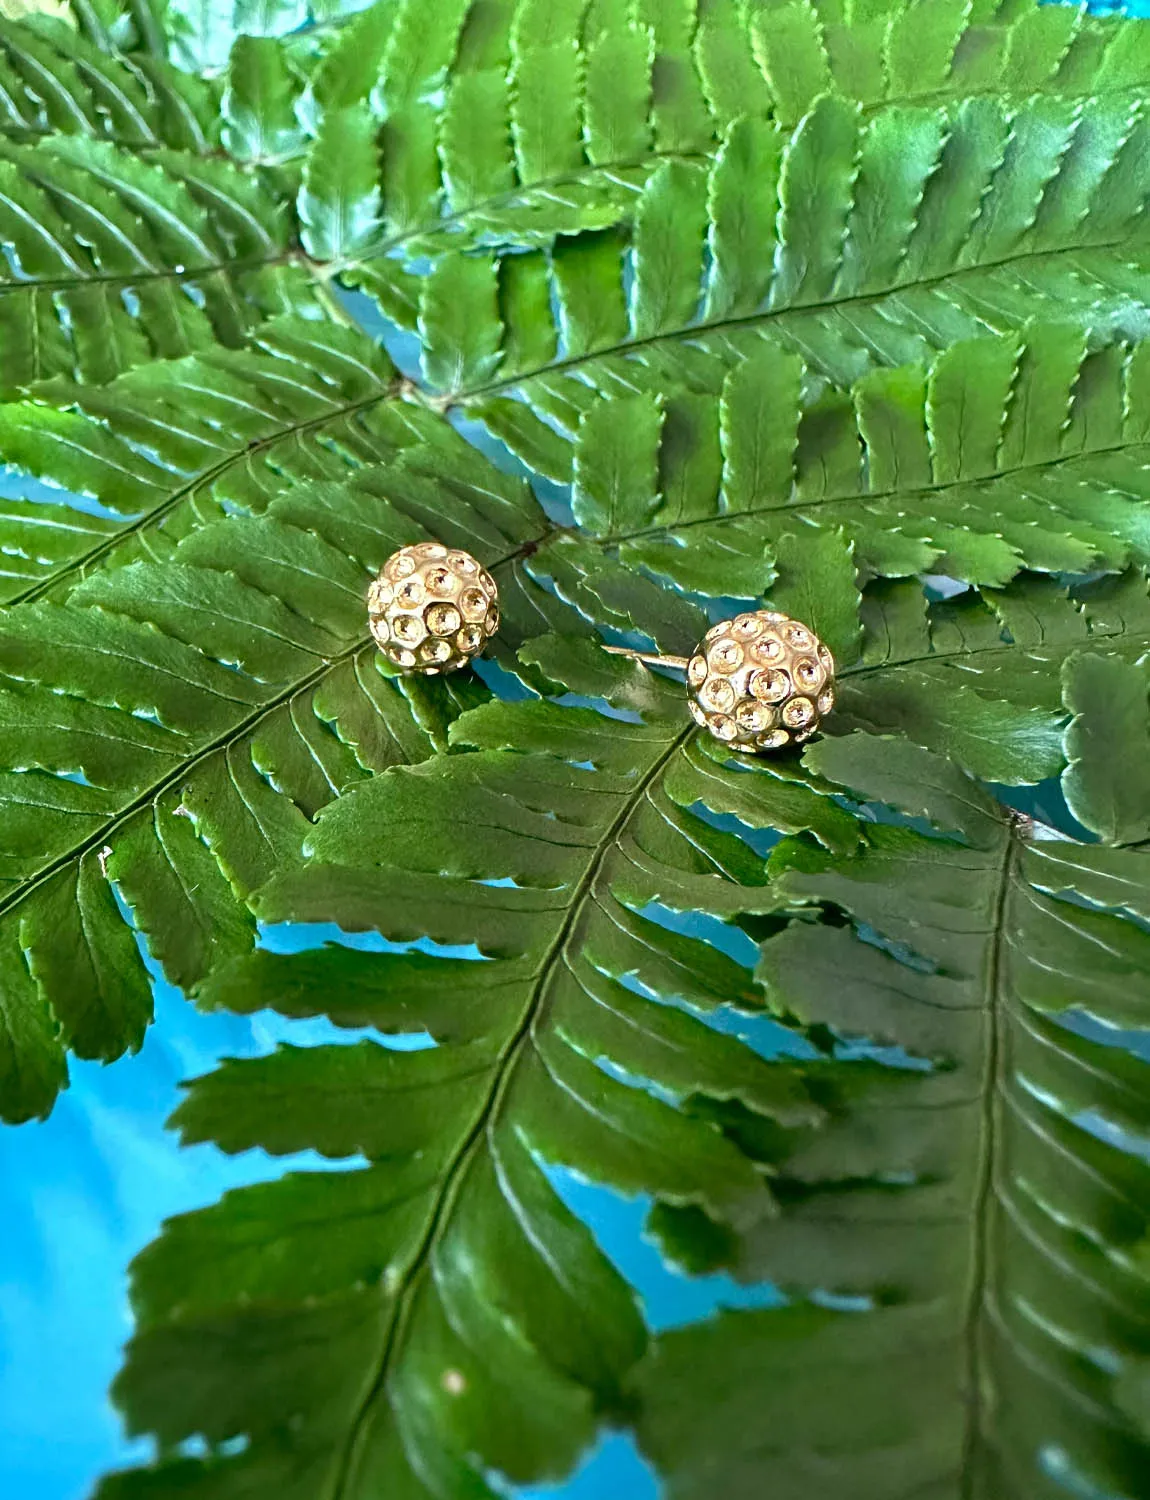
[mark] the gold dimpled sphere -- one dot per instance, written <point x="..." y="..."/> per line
<point x="432" y="608"/>
<point x="761" y="681"/>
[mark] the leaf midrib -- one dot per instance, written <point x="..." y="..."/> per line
<point x="446" y="400"/>
<point x="79" y="566"/>
<point x="455" y="1174"/>
<point x="164" y="273"/>
<point x="798" y="506"/>
<point x="983" y="1209"/>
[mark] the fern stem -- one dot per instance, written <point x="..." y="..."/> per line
<point x="973" y="1448"/>
<point x="456" y="1172"/>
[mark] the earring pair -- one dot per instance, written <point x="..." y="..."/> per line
<point x="758" y="682"/>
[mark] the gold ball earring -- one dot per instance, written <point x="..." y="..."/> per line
<point x="432" y="608"/>
<point x="757" y="682"/>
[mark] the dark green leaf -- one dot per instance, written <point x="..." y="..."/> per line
<point x="1107" y="777"/>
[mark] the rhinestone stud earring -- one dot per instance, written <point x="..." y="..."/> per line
<point x="757" y="682"/>
<point x="432" y="608"/>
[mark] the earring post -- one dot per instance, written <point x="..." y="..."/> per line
<point x="649" y="658"/>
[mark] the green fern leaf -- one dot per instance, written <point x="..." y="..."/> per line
<point x="552" y="120"/>
<point x="572" y="824"/>
<point x="176" y="445"/>
<point x="986" y="1160"/>
<point x="55" y="81"/>
<point x="394" y="186"/>
<point x="977" y="677"/>
<point x="899" y="233"/>
<point x="1001" y="456"/>
<point x="209" y="698"/>
<point x="120" y="259"/>
<point x="259" y="104"/>
<point x="1105" y="777"/>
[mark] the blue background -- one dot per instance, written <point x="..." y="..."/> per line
<point x="84" y="1191"/>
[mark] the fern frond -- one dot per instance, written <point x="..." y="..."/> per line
<point x="126" y="236"/>
<point x="853" y="241"/>
<point x="801" y="299"/>
<point x="212" y="698"/>
<point x="179" y="850"/>
<point x="978" y="677"/>
<point x="385" y="175"/>
<point x="580" y="1038"/>
<point x="939" y="210"/>
<point x="54" y="81"/>
<point x="908" y="51"/>
<point x="577" y="1037"/>
<point x="174" y="446"/>
<point x="117" y="259"/>
<point x="1004" y="454"/>
<point x="552" y="117"/>
<point x="115" y="671"/>
<point x="986" y="1147"/>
